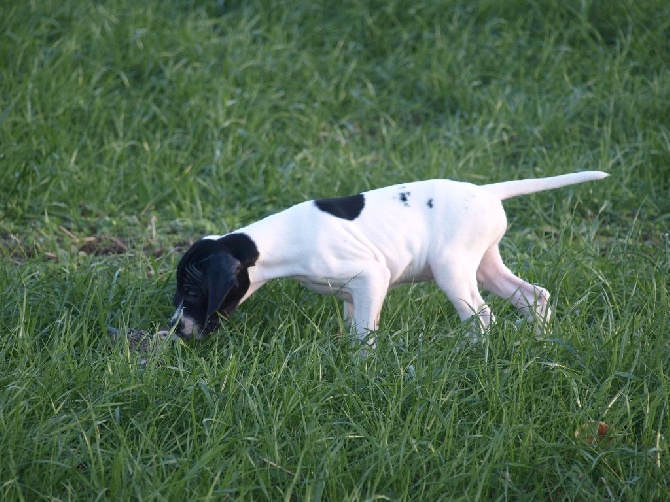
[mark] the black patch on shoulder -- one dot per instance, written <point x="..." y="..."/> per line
<point x="348" y="208"/>
<point x="430" y="203"/>
<point x="404" y="198"/>
<point x="241" y="246"/>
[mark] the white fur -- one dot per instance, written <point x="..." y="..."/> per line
<point x="441" y="230"/>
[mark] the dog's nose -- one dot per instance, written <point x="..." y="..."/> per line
<point x="177" y="326"/>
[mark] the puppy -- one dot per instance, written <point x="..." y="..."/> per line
<point x="358" y="247"/>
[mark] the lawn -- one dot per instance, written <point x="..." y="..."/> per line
<point x="130" y="129"/>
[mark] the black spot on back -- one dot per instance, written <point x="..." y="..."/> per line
<point x="348" y="208"/>
<point x="404" y="198"/>
<point x="430" y="203"/>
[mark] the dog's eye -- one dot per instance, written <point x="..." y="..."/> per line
<point x="191" y="293"/>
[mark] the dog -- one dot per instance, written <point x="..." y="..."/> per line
<point x="358" y="247"/>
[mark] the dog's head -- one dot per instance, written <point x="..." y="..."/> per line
<point x="212" y="279"/>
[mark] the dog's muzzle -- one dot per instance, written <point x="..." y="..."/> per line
<point x="185" y="327"/>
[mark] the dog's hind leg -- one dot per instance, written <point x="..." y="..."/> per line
<point x="531" y="300"/>
<point x="457" y="280"/>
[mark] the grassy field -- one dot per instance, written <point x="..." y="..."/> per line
<point x="130" y="129"/>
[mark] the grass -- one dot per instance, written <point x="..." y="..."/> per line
<point x="130" y="129"/>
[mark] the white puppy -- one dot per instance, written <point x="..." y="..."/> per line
<point x="360" y="246"/>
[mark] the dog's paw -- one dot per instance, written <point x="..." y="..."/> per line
<point x="364" y="347"/>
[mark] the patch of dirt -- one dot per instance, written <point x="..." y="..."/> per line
<point x="103" y="245"/>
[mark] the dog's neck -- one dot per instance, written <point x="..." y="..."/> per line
<point x="272" y="239"/>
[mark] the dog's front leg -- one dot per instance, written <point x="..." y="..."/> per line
<point x="368" y="291"/>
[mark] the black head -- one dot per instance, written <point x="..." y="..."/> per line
<point x="212" y="279"/>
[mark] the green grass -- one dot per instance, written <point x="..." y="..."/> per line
<point x="130" y="129"/>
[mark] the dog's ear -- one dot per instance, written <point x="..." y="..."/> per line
<point x="222" y="272"/>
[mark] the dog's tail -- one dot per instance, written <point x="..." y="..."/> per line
<point x="508" y="189"/>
